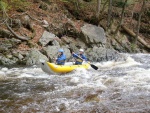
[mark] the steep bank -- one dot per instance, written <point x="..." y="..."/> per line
<point x="49" y="26"/>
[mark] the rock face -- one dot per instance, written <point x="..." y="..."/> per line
<point x="9" y="60"/>
<point x="100" y="54"/>
<point x="91" y="38"/>
<point x="46" y="38"/>
<point x="93" y="35"/>
<point x="52" y="52"/>
<point x="34" y="57"/>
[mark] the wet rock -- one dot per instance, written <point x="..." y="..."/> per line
<point x="101" y="54"/>
<point x="34" y="57"/>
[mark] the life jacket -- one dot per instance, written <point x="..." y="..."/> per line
<point x="61" y="60"/>
<point x="78" y="60"/>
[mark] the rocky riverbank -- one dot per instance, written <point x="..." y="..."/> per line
<point x="50" y="26"/>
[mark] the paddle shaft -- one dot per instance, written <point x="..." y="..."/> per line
<point x="93" y="66"/>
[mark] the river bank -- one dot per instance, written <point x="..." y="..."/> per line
<point x="40" y="29"/>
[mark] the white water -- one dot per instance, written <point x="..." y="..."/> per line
<point x="115" y="87"/>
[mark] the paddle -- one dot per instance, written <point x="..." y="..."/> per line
<point x="92" y="65"/>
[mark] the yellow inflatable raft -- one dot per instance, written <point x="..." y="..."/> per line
<point x="52" y="68"/>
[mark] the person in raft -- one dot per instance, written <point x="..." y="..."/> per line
<point x="80" y="57"/>
<point x="60" y="60"/>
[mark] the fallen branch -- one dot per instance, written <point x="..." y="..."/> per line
<point x="134" y="35"/>
<point x="16" y="35"/>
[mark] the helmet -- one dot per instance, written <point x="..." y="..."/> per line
<point x="81" y="50"/>
<point x="61" y="50"/>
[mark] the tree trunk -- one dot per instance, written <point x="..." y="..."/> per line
<point x="16" y="35"/>
<point x="122" y="15"/>
<point x="134" y="35"/>
<point x="138" y="23"/>
<point x="77" y="5"/>
<point x="109" y="13"/>
<point x="98" y="9"/>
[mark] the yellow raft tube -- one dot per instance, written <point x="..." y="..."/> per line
<point x="52" y="68"/>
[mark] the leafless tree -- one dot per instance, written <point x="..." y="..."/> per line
<point x="98" y="9"/>
<point x="122" y="16"/>
<point x="139" y="20"/>
<point x="109" y="13"/>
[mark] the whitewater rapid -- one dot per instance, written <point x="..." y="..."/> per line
<point x="116" y="87"/>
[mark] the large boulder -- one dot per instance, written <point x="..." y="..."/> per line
<point x="99" y="54"/>
<point x="34" y="57"/>
<point x="93" y="35"/>
<point x="52" y="52"/>
<point x="48" y="37"/>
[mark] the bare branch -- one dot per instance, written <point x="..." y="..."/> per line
<point x="16" y="35"/>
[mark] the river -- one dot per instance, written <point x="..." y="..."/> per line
<point x="117" y="87"/>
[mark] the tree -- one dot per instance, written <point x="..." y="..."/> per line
<point x="122" y="15"/>
<point x="109" y="13"/>
<point x="6" y="18"/>
<point x="98" y="9"/>
<point x="139" y="20"/>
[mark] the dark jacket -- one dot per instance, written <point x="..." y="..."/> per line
<point x="61" y="59"/>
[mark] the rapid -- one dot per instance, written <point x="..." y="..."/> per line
<point x="116" y="87"/>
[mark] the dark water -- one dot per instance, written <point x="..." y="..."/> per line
<point x="117" y="87"/>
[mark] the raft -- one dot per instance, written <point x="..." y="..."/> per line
<point x="52" y="68"/>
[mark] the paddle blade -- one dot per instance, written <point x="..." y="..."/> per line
<point x="94" y="67"/>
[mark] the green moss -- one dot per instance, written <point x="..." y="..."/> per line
<point x="18" y="4"/>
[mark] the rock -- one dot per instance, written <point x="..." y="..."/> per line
<point x="52" y="52"/>
<point x="7" y="61"/>
<point x="67" y="53"/>
<point x="25" y="20"/>
<point x="9" y="56"/>
<point x="76" y="43"/>
<point x="47" y="37"/>
<point x="5" y="46"/>
<point x="45" y="23"/>
<point x="34" y="56"/>
<point x="99" y="54"/>
<point x="93" y="34"/>
<point x="18" y="55"/>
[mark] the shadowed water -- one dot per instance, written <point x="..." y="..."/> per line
<point x="117" y="87"/>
